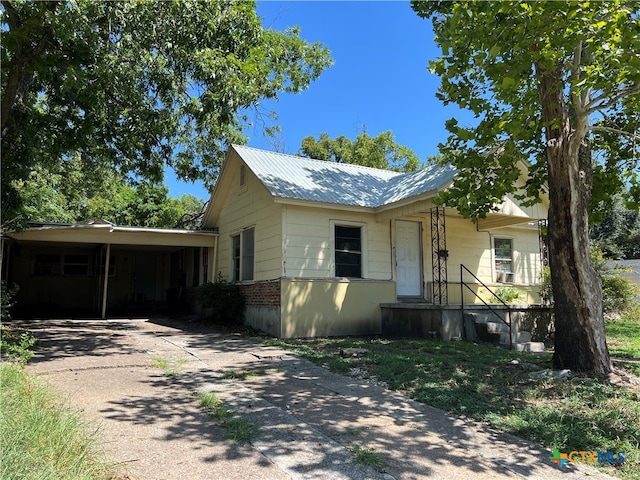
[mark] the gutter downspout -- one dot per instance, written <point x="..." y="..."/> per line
<point x="106" y="281"/>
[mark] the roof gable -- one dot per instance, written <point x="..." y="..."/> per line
<point x="300" y="178"/>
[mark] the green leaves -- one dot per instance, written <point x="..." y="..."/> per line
<point x="140" y="84"/>
<point x="492" y="55"/>
<point x="378" y="152"/>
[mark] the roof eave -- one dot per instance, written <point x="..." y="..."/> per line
<point x="104" y="234"/>
<point x="325" y="205"/>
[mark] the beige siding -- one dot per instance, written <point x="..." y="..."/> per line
<point x="474" y="250"/>
<point x="308" y="247"/>
<point x="510" y="206"/>
<point x="316" y="307"/>
<point x="468" y="247"/>
<point x="526" y="253"/>
<point x="245" y="207"/>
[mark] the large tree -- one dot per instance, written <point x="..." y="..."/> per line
<point x="138" y="85"/>
<point x="549" y="82"/>
<point x="380" y="151"/>
<point x="73" y="191"/>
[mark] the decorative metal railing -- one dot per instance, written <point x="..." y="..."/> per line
<point x="463" y="284"/>
<point x="439" y="256"/>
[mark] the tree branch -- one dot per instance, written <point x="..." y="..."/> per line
<point x="20" y="74"/>
<point x="617" y="131"/>
<point x="575" y="76"/>
<point x="594" y="105"/>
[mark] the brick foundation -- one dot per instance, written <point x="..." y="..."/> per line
<point x="262" y="294"/>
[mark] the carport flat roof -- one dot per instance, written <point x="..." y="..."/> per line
<point x="114" y="235"/>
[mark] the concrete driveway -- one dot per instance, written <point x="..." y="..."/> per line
<point x="308" y="418"/>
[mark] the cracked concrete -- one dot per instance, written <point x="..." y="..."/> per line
<point x="308" y="418"/>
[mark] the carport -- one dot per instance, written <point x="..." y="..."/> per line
<point x="94" y="266"/>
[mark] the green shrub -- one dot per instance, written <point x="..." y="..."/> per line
<point x="546" y="288"/>
<point x="509" y="294"/>
<point x="15" y="344"/>
<point x="618" y="293"/>
<point x="6" y="300"/>
<point x="225" y="300"/>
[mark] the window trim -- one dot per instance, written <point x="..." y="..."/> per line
<point x="496" y="259"/>
<point x="364" y="269"/>
<point x="47" y="268"/>
<point x="239" y="267"/>
<point x="243" y="175"/>
<point x="98" y="265"/>
<point x="63" y="264"/>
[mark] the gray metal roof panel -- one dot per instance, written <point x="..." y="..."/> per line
<point x="301" y="178"/>
<point x="429" y="179"/>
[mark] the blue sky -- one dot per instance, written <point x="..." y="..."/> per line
<point x="379" y="80"/>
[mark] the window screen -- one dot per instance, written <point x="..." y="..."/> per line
<point x="348" y="254"/>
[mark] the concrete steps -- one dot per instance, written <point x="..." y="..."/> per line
<point x="487" y="327"/>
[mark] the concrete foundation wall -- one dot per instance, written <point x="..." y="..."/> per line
<point x="333" y="307"/>
<point x="445" y="321"/>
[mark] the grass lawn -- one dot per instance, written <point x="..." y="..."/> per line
<point x="41" y="438"/>
<point x="491" y="384"/>
<point x="623" y="338"/>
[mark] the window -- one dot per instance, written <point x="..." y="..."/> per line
<point x="503" y="253"/>
<point x="76" y="265"/>
<point x="242" y="253"/>
<point x="47" y="265"/>
<point x="348" y="254"/>
<point x="235" y="255"/>
<point x="98" y="268"/>
<point x="243" y="175"/>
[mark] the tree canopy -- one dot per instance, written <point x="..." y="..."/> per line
<point x="138" y="85"/>
<point x="493" y="54"/>
<point x="69" y="193"/>
<point x="556" y="84"/>
<point x="380" y="151"/>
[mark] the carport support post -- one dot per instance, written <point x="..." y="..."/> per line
<point x="106" y="281"/>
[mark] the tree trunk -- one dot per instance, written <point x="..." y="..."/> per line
<point x="580" y="342"/>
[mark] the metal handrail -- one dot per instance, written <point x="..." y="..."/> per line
<point x="463" y="283"/>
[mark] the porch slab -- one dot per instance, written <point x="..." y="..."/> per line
<point x="445" y="322"/>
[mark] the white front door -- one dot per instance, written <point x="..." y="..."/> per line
<point x="408" y="259"/>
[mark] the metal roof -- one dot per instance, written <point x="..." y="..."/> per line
<point x="301" y="178"/>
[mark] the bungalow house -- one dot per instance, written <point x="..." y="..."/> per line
<point x="318" y="247"/>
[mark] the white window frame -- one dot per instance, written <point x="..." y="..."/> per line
<point x="364" y="269"/>
<point x="500" y="275"/>
<point x="242" y="261"/>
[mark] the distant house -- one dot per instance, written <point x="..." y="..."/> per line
<point x="318" y="249"/>
<point x="319" y="246"/>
